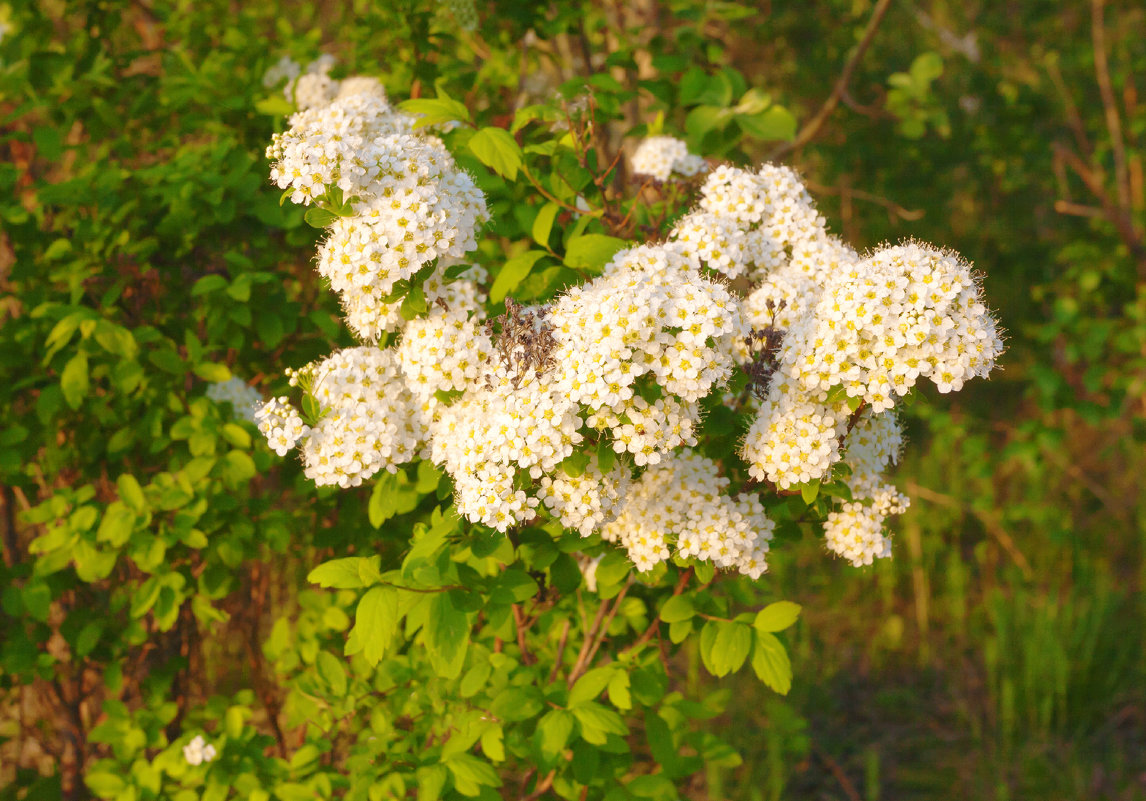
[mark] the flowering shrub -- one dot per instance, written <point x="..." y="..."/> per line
<point x="586" y="407"/>
<point x="589" y="378"/>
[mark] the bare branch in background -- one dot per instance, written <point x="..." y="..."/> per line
<point x="813" y="126"/>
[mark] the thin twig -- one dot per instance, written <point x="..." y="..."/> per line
<point x="859" y="194"/>
<point x="604" y="630"/>
<point x="989" y="521"/>
<point x="1109" y="104"/>
<point x="845" y="783"/>
<point x="812" y="127"/>
<point x="560" y="652"/>
<point x="519" y="624"/>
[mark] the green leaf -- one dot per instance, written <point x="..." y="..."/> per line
<point x="777" y="616"/>
<point x="809" y="491"/>
<point x="238" y="467"/>
<point x="117" y="525"/>
<point x="447" y="636"/>
<point x="591" y="252"/>
<point x="104" y="785"/>
<point x="753" y="102"/>
<point x="74" y="380"/>
<point x="677" y="608"/>
<point x="475" y="679"/>
<point x="435" y="111"/>
<point x="575" y="463"/>
<point x="471" y="774"/>
<point x="319" y="218"/>
<point x="543" y="224"/>
<point x="556" y="727"/>
<point x="430" y="780"/>
<point x="590" y="685"/>
<point x="619" y="690"/>
<point x="341" y="574"/>
<point x="375" y="622"/>
<point x="332" y="671"/>
<point x="926" y="67"/>
<point x="613" y="568"/>
<point x="728" y="644"/>
<point x="130" y="492"/>
<point x="773" y="124"/>
<point x="209" y="371"/>
<point x="274" y="106"/>
<point x="498" y="150"/>
<point x="598" y="722"/>
<point x="512" y="273"/>
<point x="703" y="119"/>
<point x="492" y="744"/>
<point x="771" y="663"/>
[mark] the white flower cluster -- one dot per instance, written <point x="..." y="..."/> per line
<point x="681" y="504"/>
<point x="522" y="411"/>
<point x="853" y="334"/>
<point x="414" y="208"/>
<point x="198" y="751"/>
<point x="244" y="398"/>
<point x="661" y="156"/>
<point x="586" y="501"/>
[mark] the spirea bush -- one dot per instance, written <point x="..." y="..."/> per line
<point x="585" y="409"/>
<point x="562" y="385"/>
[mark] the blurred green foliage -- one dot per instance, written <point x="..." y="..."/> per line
<point x="155" y="554"/>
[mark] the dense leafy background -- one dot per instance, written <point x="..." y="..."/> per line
<point x="155" y="556"/>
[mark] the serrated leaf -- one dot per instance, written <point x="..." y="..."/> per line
<point x="376" y="622"/>
<point x="339" y="574"/>
<point x="498" y="150"/>
<point x="729" y="648"/>
<point x="447" y="636"/>
<point x="777" y="616"/>
<point x="771" y="663"/>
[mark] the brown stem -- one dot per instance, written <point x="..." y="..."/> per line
<point x="845" y="783"/>
<point x="560" y="653"/>
<point x="654" y="626"/>
<point x="603" y="631"/>
<point x="812" y="127"/>
<point x="522" y="628"/>
<point x="1109" y="104"/>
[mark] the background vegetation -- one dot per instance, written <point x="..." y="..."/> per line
<point x="154" y="557"/>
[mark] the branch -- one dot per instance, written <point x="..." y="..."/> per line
<point x="809" y="131"/>
<point x="993" y="526"/>
<point x="1109" y="105"/>
<point x="859" y="194"/>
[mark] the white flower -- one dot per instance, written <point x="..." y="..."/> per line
<point x="198" y="751"/>
<point x="661" y="156"/>
<point x="244" y="399"/>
